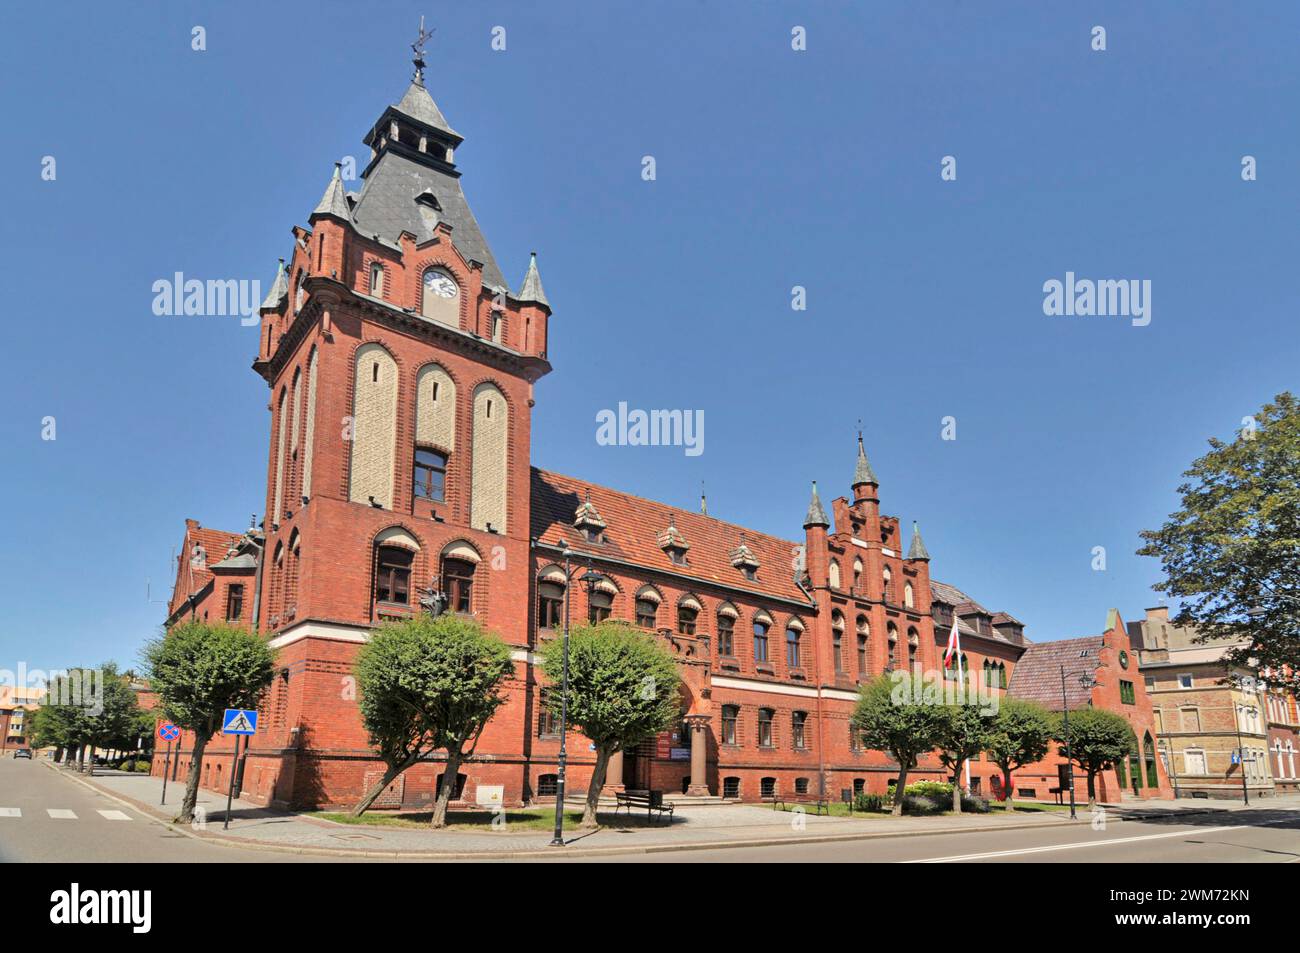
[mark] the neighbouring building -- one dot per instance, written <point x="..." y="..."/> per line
<point x="1208" y="711"/>
<point x="402" y="372"/>
<point x="16" y="705"/>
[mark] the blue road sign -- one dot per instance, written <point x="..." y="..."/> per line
<point x="168" y="732"/>
<point x="239" y="721"/>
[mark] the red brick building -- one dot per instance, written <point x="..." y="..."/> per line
<point x="402" y="372"/>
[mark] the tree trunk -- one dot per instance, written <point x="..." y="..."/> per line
<point x="88" y="766"/>
<point x="186" y="815"/>
<point x="589" y="821"/>
<point x="956" y="790"/>
<point x="389" y="777"/>
<point x="1092" y="789"/>
<point x="1006" y="789"/>
<point x="899" y="786"/>
<point x="454" y="756"/>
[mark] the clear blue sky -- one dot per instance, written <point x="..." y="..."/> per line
<point x="775" y="169"/>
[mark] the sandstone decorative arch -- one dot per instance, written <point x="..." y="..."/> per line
<point x="374" y="427"/>
<point x="490" y="470"/>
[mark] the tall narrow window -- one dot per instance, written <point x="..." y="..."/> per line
<point x="837" y="647"/>
<point x="550" y="605"/>
<point x="792" y="648"/>
<point x="798" y="721"/>
<point x="765" y="727"/>
<point x="430" y="476"/>
<point x="376" y="280"/>
<point x="909" y="598"/>
<point x="760" y="642"/>
<point x="234" y="602"/>
<point x="458" y="578"/>
<point x="730" y="713"/>
<point x="599" y="606"/>
<point x="726" y="635"/>
<point x="393" y="574"/>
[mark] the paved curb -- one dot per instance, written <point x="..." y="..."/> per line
<point x="226" y="840"/>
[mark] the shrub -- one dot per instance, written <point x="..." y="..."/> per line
<point x="922" y="806"/>
<point x="974" y="805"/>
<point x="935" y="790"/>
<point x="869" y="803"/>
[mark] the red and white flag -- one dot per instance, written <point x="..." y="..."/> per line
<point x="953" y="652"/>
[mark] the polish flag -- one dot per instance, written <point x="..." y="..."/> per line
<point x="950" y="655"/>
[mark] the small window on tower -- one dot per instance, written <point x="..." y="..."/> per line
<point x="377" y="280"/>
<point x="430" y="475"/>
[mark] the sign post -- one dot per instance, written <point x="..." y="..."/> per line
<point x="168" y="733"/>
<point x="237" y="721"/>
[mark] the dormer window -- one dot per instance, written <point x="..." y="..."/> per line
<point x="674" y="543"/>
<point x="587" y="521"/>
<point x="743" y="558"/>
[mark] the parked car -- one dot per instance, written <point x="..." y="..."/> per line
<point x="23" y="753"/>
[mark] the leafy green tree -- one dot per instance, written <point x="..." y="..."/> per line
<point x="199" y="670"/>
<point x="1099" y="739"/>
<point x="1021" y="734"/>
<point x="1231" y="553"/>
<point x="623" y="688"/>
<point x="963" y="733"/>
<point x="429" y="684"/>
<point x="113" y="713"/>
<point x="891" y="717"/>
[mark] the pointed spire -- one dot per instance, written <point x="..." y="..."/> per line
<point x="863" y="473"/>
<point x="816" y="513"/>
<point x="704" y="503"/>
<point x="917" y="550"/>
<point x="335" y="200"/>
<point x="279" y="288"/>
<point x="531" y="290"/>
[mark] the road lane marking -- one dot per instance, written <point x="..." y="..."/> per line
<point x="114" y="816"/>
<point x="10" y="812"/>
<point x="61" y="813"/>
<point x="1095" y="843"/>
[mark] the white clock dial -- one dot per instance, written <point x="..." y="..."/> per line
<point x="440" y="284"/>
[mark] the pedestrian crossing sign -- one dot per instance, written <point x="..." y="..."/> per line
<point x="239" y="721"/>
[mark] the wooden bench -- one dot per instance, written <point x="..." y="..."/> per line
<point x="819" y="804"/>
<point x="652" y="801"/>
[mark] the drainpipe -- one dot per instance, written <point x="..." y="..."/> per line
<point x="821" y="748"/>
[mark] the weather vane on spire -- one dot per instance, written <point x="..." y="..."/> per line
<point x="418" y="48"/>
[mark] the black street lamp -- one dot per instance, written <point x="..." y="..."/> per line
<point x="1087" y="681"/>
<point x="589" y="580"/>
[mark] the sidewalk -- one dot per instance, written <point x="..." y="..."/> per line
<point x="693" y="828"/>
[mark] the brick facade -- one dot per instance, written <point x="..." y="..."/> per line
<point x="393" y="289"/>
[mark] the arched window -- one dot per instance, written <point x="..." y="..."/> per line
<point x="888" y="579"/>
<point x="688" y="611"/>
<point x="730" y="715"/>
<point x="913" y="647"/>
<point x="299" y="293"/>
<point x="1002" y="674"/>
<point x="731" y="787"/>
<point x="864" y="633"/>
<point x="393" y="574"/>
<point x="892" y="631"/>
<point x="988" y="674"/>
<point x="1149" y="756"/>
<point x="792" y="654"/>
<point x="440" y="297"/>
<point x="837" y="639"/>
<point x="376" y="280"/>
<point x="767" y="787"/>
<point x="282" y="427"/>
<point x="646" y="611"/>
<point x="550" y="605"/>
<point x="761" y="625"/>
<point x="458" y="582"/>
<point x="800" y="785"/>
<point x="909" y="600"/>
<point x="727" y="630"/>
<point x="599" y="605"/>
<point x="798" y="726"/>
<point x="835" y="574"/>
<point x="765" y="727"/>
<point x="857" y="574"/>
<point x="309" y="437"/>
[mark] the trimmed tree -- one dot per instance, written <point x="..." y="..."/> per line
<point x="1230" y="554"/>
<point x="623" y="688"/>
<point x="1099" y="739"/>
<point x="890" y="717"/>
<point x="199" y="670"/>
<point x="428" y="684"/>
<point x="1021" y="734"/>
<point x="113" y="714"/>
<point x="963" y="733"/>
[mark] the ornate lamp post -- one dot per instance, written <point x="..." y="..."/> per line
<point x="1087" y="681"/>
<point x="589" y="580"/>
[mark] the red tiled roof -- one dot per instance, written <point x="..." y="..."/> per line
<point x="633" y="525"/>
<point x="189" y="579"/>
<point x="1037" y="676"/>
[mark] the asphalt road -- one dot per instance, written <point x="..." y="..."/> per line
<point x="47" y="816"/>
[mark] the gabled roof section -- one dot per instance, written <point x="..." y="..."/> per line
<point x="386" y="207"/>
<point x="636" y="525"/>
<point x="1037" y="676"/>
<point x="200" y="550"/>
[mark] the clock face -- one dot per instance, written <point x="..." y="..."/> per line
<point x="441" y="284"/>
